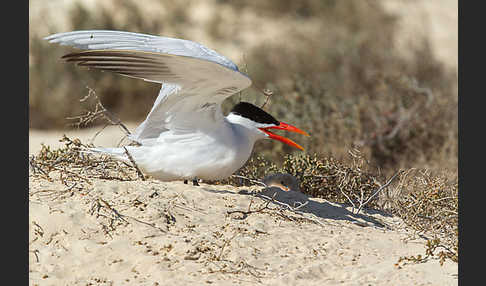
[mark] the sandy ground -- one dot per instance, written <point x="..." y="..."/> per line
<point x="168" y="233"/>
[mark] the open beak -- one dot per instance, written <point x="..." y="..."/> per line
<point x="287" y="127"/>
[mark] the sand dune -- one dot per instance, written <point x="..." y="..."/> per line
<point x="168" y="233"/>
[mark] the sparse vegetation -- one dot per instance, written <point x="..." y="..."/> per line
<point x="427" y="203"/>
<point x="320" y="177"/>
<point x="72" y="166"/>
<point x="349" y="87"/>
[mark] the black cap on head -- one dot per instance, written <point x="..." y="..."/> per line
<point x="254" y="113"/>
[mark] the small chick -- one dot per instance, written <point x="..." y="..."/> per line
<point x="285" y="182"/>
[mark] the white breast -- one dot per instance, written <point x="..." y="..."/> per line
<point x="186" y="156"/>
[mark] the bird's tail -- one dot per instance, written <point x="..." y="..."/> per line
<point x="116" y="153"/>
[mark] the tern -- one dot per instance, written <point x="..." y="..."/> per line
<point x="284" y="181"/>
<point x="185" y="135"/>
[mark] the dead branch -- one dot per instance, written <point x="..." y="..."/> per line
<point x="226" y="242"/>
<point x="249" y="211"/>
<point x="139" y="173"/>
<point x="99" y="112"/>
<point x="267" y="93"/>
<point x="379" y="190"/>
<point x="250" y="180"/>
<point x="295" y="210"/>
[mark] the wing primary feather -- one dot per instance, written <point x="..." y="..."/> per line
<point x="114" y="67"/>
<point x="104" y="54"/>
<point x="127" y="60"/>
<point x="122" y="62"/>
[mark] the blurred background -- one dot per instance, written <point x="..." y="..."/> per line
<point x="376" y="76"/>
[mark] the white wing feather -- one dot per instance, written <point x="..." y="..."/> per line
<point x="195" y="79"/>
<point x="105" y="39"/>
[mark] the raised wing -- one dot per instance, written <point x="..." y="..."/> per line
<point x="195" y="80"/>
<point x="120" y="40"/>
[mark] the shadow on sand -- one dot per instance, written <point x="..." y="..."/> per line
<point x="324" y="210"/>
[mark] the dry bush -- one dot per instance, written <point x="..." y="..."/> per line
<point x="71" y="166"/>
<point x="348" y="86"/>
<point x="331" y="179"/>
<point x="318" y="176"/>
<point x="428" y="203"/>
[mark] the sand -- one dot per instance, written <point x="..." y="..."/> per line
<point x="169" y="233"/>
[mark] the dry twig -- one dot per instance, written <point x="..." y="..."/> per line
<point x="379" y="190"/>
<point x="139" y="173"/>
<point x="99" y="112"/>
